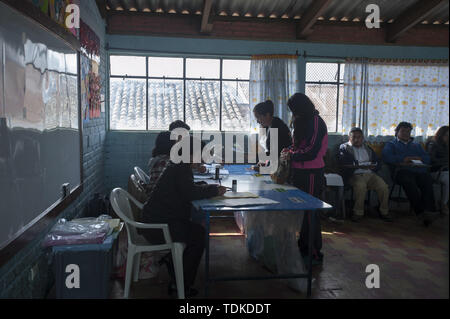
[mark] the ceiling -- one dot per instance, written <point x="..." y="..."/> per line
<point x="335" y="10"/>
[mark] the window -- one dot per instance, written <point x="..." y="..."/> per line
<point x="148" y="93"/>
<point x="325" y="87"/>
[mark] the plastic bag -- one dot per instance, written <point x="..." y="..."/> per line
<point x="240" y="219"/>
<point x="272" y="240"/>
<point x="83" y="231"/>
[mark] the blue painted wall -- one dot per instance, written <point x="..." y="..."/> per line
<point x="124" y="150"/>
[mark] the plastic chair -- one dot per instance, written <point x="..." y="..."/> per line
<point x="141" y="175"/>
<point x="120" y="202"/>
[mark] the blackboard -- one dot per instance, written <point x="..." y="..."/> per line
<point x="39" y="123"/>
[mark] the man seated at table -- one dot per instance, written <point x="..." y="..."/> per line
<point x="359" y="164"/>
<point x="406" y="158"/>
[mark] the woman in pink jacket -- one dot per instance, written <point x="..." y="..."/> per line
<point x="310" y="142"/>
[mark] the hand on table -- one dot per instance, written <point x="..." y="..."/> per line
<point x="221" y="190"/>
<point x="202" y="169"/>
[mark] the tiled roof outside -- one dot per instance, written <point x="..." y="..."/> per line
<point x="165" y="104"/>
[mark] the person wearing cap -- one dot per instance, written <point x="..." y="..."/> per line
<point x="352" y="155"/>
<point x="402" y="153"/>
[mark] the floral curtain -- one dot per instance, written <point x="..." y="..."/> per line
<point x="273" y="77"/>
<point x="392" y="93"/>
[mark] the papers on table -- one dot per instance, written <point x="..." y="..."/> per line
<point x="203" y="176"/>
<point x="236" y="202"/>
<point x="239" y="195"/>
<point x="334" y="180"/>
<point x="417" y="162"/>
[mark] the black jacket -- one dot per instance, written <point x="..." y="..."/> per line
<point x="346" y="156"/>
<point x="438" y="154"/>
<point x="284" y="135"/>
<point x="170" y="200"/>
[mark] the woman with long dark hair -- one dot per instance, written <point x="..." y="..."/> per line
<point x="438" y="149"/>
<point x="310" y="142"/>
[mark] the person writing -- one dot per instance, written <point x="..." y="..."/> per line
<point x="170" y="203"/>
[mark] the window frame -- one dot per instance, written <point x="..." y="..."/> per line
<point x="184" y="79"/>
<point x="338" y="84"/>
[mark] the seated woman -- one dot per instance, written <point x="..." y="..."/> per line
<point x="264" y="116"/>
<point x="438" y="149"/>
<point x="160" y="159"/>
<point x="170" y="203"/>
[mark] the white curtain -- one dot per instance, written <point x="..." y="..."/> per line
<point x="273" y="77"/>
<point x="379" y="96"/>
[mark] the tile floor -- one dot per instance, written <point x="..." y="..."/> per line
<point x="413" y="262"/>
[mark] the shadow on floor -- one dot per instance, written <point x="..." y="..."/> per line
<point x="412" y="259"/>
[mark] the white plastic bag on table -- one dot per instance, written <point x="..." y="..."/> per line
<point x="88" y="231"/>
<point x="272" y="240"/>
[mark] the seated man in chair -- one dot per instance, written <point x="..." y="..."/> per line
<point x="407" y="158"/>
<point x="359" y="163"/>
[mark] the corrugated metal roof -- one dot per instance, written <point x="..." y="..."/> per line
<point x="338" y="10"/>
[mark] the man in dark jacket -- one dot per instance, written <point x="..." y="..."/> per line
<point x="360" y="164"/>
<point x="403" y="154"/>
<point x="264" y="115"/>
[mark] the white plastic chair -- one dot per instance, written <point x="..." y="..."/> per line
<point x="141" y="175"/>
<point x="120" y="202"/>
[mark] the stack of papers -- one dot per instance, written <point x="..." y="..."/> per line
<point x="237" y="202"/>
<point x="237" y="195"/>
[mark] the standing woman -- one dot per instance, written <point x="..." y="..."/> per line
<point x="310" y="142"/>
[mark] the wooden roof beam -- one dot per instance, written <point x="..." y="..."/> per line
<point x="411" y="17"/>
<point x="207" y="25"/>
<point x="101" y="5"/>
<point x="310" y="16"/>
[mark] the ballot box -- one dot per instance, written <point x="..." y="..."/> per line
<point x="84" y="271"/>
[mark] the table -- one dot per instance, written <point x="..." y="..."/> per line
<point x="264" y="187"/>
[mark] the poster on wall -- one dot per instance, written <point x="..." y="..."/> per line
<point x="91" y="83"/>
<point x="84" y="76"/>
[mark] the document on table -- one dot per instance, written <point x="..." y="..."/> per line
<point x="238" y="195"/>
<point x="203" y="176"/>
<point x="236" y="202"/>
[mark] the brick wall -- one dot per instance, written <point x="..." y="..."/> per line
<point x="15" y="276"/>
<point x="271" y="29"/>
